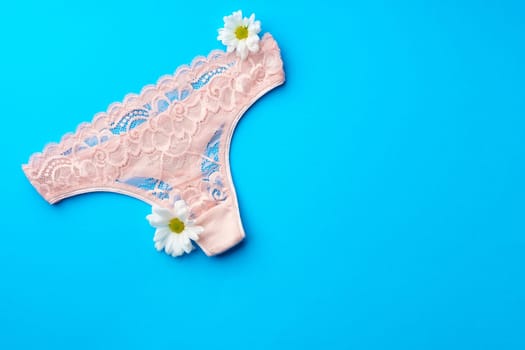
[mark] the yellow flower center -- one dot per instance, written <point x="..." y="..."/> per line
<point x="176" y="225"/>
<point x="241" y="32"/>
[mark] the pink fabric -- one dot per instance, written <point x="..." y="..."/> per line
<point x="174" y="136"/>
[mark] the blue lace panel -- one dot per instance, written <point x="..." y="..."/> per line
<point x="210" y="167"/>
<point x="206" y="77"/>
<point x="129" y="121"/>
<point x="135" y="117"/>
<point x="155" y="187"/>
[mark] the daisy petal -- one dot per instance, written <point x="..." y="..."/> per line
<point x="157" y="221"/>
<point x="193" y="232"/>
<point x="160" y="234"/>
<point x="242" y="50"/>
<point x="179" y="206"/>
<point x="168" y="247"/>
<point x="159" y="245"/>
<point x="161" y="211"/>
<point x="253" y="43"/>
<point x="176" y="250"/>
<point x="237" y="15"/>
<point x="255" y="27"/>
<point x="187" y="246"/>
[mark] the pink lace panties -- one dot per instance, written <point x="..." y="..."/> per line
<point x="168" y="143"/>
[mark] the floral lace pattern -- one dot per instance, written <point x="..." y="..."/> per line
<point x="171" y="141"/>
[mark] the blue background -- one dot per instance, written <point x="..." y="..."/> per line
<point x="381" y="187"/>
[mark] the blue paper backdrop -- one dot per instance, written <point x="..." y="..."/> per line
<point x="381" y="189"/>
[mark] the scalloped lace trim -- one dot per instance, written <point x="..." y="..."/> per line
<point x="176" y="86"/>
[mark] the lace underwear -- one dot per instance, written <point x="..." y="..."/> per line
<point x="168" y="146"/>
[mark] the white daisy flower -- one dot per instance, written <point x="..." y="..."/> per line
<point x="241" y="34"/>
<point x="174" y="229"/>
